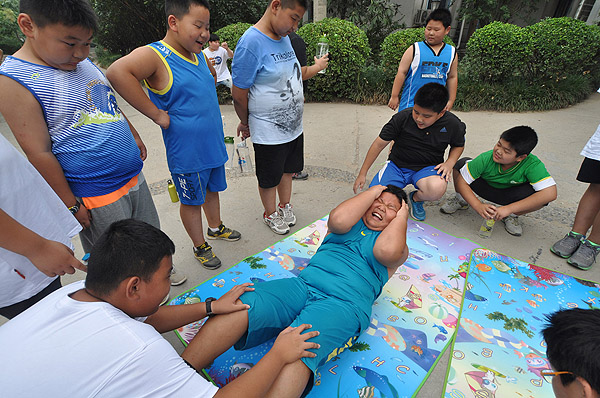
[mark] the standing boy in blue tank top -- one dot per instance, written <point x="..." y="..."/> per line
<point x="63" y="113"/>
<point x="428" y="61"/>
<point x="183" y="102"/>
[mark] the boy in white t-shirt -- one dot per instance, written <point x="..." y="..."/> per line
<point x="218" y="53"/>
<point x="102" y="338"/>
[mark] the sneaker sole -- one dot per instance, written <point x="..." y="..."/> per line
<point x="410" y="210"/>
<point x="579" y="266"/>
<point x="277" y="232"/>
<point x="225" y="239"/>
<point x="179" y="282"/>
<point x="211" y="267"/>
<point x="448" y="212"/>
<point x="560" y="255"/>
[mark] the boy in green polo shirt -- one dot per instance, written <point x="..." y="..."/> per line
<point x="508" y="175"/>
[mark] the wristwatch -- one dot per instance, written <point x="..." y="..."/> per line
<point x="209" y="312"/>
<point x="75" y="208"/>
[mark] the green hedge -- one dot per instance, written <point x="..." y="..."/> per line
<point x="348" y="48"/>
<point x="396" y="43"/>
<point x="232" y="33"/>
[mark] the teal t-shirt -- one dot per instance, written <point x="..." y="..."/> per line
<point x="344" y="267"/>
<point x="530" y="170"/>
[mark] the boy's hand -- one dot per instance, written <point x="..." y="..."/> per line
<point x="444" y="170"/>
<point x="359" y="183"/>
<point x="84" y="216"/>
<point x="291" y="345"/>
<point x="162" y="119"/>
<point x="378" y="189"/>
<point x="322" y="62"/>
<point x="224" y="45"/>
<point x="502" y="212"/>
<point x="393" y="103"/>
<point x="243" y="130"/>
<point x="142" y="147"/>
<point x="229" y="301"/>
<point x="486" y="210"/>
<point x="53" y="258"/>
<point x="403" y="211"/>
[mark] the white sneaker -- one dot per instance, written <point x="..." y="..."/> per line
<point x="165" y="300"/>
<point x="276" y="223"/>
<point x="453" y="204"/>
<point x="177" y="278"/>
<point x="512" y="225"/>
<point x="287" y="214"/>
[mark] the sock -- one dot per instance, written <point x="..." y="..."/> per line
<point x="213" y="229"/>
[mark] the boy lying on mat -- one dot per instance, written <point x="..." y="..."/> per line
<point x="365" y="245"/>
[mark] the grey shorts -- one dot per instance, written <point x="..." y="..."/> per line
<point x="136" y="204"/>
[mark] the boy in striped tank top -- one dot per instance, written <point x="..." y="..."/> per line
<point x="63" y="113"/>
<point x="182" y="100"/>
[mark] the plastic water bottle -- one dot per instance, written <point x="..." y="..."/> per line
<point x="172" y="191"/>
<point x="485" y="231"/>
<point x="322" y="49"/>
<point x="229" y="147"/>
<point x="244" y="161"/>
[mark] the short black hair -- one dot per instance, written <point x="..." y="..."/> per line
<point x="180" y="8"/>
<point x="293" y="3"/>
<point x="127" y="248"/>
<point x="522" y="138"/>
<point x="440" y="14"/>
<point x="214" y="37"/>
<point x="432" y="96"/>
<point x="65" y="12"/>
<point x="399" y="192"/>
<point x="573" y="344"/>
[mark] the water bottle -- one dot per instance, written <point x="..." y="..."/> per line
<point x="322" y="49"/>
<point x="172" y="191"/>
<point x="229" y="147"/>
<point x="244" y="161"/>
<point x="485" y="231"/>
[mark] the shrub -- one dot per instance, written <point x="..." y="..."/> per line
<point x="373" y="86"/>
<point x="348" y="49"/>
<point x="232" y="33"/>
<point x="11" y="37"/>
<point x="563" y="46"/>
<point x="497" y="51"/>
<point x="395" y="44"/>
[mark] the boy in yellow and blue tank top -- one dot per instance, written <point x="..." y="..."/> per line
<point x="182" y="100"/>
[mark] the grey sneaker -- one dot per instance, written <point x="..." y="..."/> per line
<point x="287" y="214"/>
<point x="453" y="204"/>
<point x="276" y="223"/>
<point x="585" y="255"/>
<point x="207" y="258"/>
<point x="177" y="278"/>
<point x="566" y="246"/>
<point x="512" y="225"/>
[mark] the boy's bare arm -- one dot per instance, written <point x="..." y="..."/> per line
<point x="403" y="67"/>
<point x="529" y="204"/>
<point x="24" y="116"/>
<point x="374" y="151"/>
<point x="347" y="213"/>
<point x="390" y="247"/>
<point x="240" y="104"/>
<point x="452" y="83"/>
<point x="126" y="73"/>
<point x="50" y="257"/>
<point x="226" y="47"/>
<point x="320" y="64"/>
<point x="485" y="210"/>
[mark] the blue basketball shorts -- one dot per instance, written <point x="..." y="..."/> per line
<point x="192" y="187"/>
<point x="401" y="177"/>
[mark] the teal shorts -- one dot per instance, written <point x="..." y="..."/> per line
<point x="277" y="304"/>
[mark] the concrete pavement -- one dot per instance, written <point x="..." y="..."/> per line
<point x="337" y="137"/>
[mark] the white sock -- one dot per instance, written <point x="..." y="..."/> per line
<point x="213" y="229"/>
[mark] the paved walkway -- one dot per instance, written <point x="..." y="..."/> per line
<point x="337" y="137"/>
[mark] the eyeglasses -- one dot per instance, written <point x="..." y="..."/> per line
<point x="549" y="374"/>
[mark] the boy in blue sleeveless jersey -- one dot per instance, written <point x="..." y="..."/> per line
<point x="420" y="136"/>
<point x="64" y="115"/>
<point x="427" y="61"/>
<point x="183" y="102"/>
<point x="269" y="100"/>
<point x="365" y="245"/>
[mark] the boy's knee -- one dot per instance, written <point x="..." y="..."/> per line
<point x="433" y="188"/>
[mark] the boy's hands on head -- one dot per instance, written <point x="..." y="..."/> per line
<point x="444" y="170"/>
<point x="291" y="344"/>
<point x="402" y="213"/>
<point x="486" y="210"/>
<point x="229" y="301"/>
<point x="162" y="118"/>
<point x="377" y="189"/>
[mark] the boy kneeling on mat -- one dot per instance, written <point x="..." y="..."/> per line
<point x="508" y="175"/>
<point x="365" y="245"/>
<point x="102" y="338"/>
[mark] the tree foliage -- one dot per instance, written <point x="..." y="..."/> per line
<point x="486" y="11"/>
<point x="227" y="12"/>
<point x="11" y="37"/>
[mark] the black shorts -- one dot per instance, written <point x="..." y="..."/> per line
<point x="589" y="171"/>
<point x="500" y="196"/>
<point x="272" y="161"/>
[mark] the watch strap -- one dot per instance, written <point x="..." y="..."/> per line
<point x="208" y="302"/>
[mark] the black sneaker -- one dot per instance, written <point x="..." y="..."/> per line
<point x="224" y="233"/>
<point x="207" y="258"/>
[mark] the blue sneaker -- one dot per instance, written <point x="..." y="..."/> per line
<point x="416" y="208"/>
